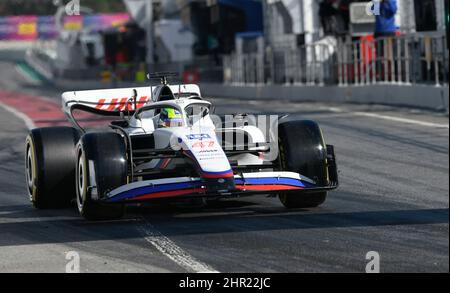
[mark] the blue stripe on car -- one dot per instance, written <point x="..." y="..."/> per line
<point x="274" y="180"/>
<point x="186" y="185"/>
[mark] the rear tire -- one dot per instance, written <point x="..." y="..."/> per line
<point x="302" y="149"/>
<point x="101" y="157"/>
<point x="50" y="166"/>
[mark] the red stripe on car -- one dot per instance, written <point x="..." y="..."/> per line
<point x="112" y="105"/>
<point x="213" y="176"/>
<point x="100" y="104"/>
<point x="122" y="104"/>
<point x="142" y="101"/>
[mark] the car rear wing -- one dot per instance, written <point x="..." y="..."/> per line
<point x="111" y="102"/>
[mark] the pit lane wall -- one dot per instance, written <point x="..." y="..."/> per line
<point x="419" y="96"/>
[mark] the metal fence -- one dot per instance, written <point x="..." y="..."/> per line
<point x="309" y="64"/>
<point x="393" y="60"/>
<point x="389" y="60"/>
<point x="399" y="60"/>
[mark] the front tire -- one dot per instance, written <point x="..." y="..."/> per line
<point x="302" y="149"/>
<point x="50" y="166"/>
<point x="101" y="167"/>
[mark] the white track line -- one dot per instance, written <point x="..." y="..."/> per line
<point x="27" y="120"/>
<point x="402" y="120"/>
<point x="389" y="118"/>
<point x="172" y="251"/>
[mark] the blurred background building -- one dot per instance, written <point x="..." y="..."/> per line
<point x="234" y="41"/>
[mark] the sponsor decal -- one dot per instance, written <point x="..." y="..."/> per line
<point x="203" y="144"/>
<point x="18" y="28"/>
<point x="116" y="105"/>
<point x="198" y="136"/>
<point x="32" y="27"/>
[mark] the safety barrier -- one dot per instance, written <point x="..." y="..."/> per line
<point x="393" y="60"/>
<point x="388" y="60"/>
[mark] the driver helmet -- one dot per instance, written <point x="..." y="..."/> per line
<point x="170" y="117"/>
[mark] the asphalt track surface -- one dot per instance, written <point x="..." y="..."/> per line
<point x="393" y="199"/>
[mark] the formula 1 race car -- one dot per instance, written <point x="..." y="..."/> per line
<point x="167" y="145"/>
